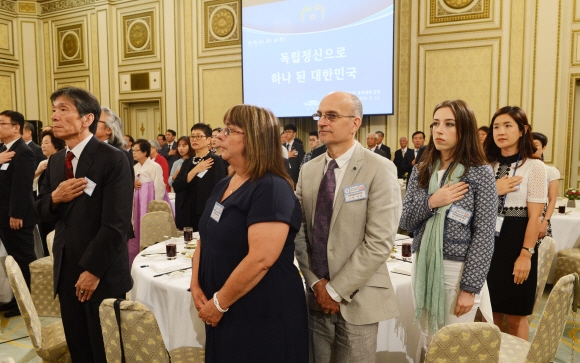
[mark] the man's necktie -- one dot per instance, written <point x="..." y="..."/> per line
<point x="2" y="148"/>
<point x="322" y="217"/>
<point x="68" y="165"/>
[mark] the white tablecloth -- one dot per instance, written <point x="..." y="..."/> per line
<point x="173" y="307"/>
<point x="566" y="233"/>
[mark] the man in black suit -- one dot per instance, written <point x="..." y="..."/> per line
<point x="17" y="218"/>
<point x="295" y="151"/>
<point x="27" y="137"/>
<point x="411" y="157"/>
<point x="380" y="145"/>
<point x="400" y="155"/>
<point x="372" y="140"/>
<point x="171" y="148"/>
<point x="87" y="191"/>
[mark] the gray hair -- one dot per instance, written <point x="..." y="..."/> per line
<point x="374" y="135"/>
<point x="154" y="144"/>
<point x="114" y="123"/>
<point x="357" y="109"/>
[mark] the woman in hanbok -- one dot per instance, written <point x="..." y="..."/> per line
<point x="149" y="186"/>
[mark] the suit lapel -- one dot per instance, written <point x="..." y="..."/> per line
<point x="16" y="144"/>
<point x="350" y="173"/>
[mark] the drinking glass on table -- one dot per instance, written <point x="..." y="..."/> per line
<point x="170" y="249"/>
<point x="187" y="234"/>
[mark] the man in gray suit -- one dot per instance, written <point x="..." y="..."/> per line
<point x="351" y="204"/>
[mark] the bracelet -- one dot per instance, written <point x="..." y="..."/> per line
<point x="217" y="304"/>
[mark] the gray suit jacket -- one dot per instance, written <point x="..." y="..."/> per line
<point x="361" y="236"/>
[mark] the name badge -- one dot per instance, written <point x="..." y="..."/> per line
<point x="498" y="224"/>
<point x="459" y="214"/>
<point x="4" y="166"/>
<point x="200" y="175"/>
<point x="90" y="188"/>
<point x="355" y="192"/>
<point x="217" y="211"/>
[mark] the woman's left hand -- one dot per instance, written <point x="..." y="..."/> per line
<point x="465" y="301"/>
<point x="543" y="228"/>
<point x="210" y="315"/>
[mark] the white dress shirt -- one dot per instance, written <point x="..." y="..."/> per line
<point x="77" y="151"/>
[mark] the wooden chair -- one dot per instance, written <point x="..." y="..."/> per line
<point x="142" y="341"/>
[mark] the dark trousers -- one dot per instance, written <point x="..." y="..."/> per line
<point x="82" y="327"/>
<point x="20" y="245"/>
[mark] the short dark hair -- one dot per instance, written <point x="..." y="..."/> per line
<point x="380" y="132"/>
<point x="163" y="136"/>
<point x="483" y="128"/>
<point x="203" y="128"/>
<point x="28" y="126"/>
<point x="55" y="141"/>
<point x="131" y="139"/>
<point x="313" y="133"/>
<point x="172" y="132"/>
<point x="417" y="133"/>
<point x="218" y="129"/>
<point x="144" y="146"/>
<point x="84" y="101"/>
<point x="290" y="127"/>
<point x="543" y="139"/>
<point x="16" y="118"/>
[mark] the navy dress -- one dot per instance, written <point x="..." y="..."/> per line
<point x="269" y="323"/>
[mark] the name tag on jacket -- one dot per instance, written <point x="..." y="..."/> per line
<point x="355" y="192"/>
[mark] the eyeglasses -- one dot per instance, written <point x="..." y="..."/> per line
<point x="227" y="131"/>
<point x="329" y="116"/>
<point x="7" y="123"/>
<point x="197" y="137"/>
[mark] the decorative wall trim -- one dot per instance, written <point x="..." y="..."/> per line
<point x="575" y="55"/>
<point x="70" y="45"/>
<point x="63" y="5"/>
<point x="27" y="8"/>
<point x="8" y="6"/>
<point x="574" y="77"/>
<point x="139" y="34"/>
<point x="444" y="11"/>
<point x="222" y="23"/>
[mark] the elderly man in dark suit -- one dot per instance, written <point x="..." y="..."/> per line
<point x="380" y="145"/>
<point x="400" y="155"/>
<point x="17" y="218"/>
<point x="27" y="137"/>
<point x="372" y="140"/>
<point x="87" y="191"/>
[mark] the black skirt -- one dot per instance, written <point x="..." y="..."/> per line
<point x="506" y="296"/>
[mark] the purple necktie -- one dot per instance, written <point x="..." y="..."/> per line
<point x="322" y="217"/>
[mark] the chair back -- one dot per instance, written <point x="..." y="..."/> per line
<point x="154" y="227"/>
<point x="158" y="206"/>
<point x="142" y="339"/>
<point x="546" y="340"/>
<point x="25" y="303"/>
<point x="49" y="243"/>
<point x="546" y="253"/>
<point x="465" y="342"/>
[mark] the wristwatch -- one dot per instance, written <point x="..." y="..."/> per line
<point x="530" y="250"/>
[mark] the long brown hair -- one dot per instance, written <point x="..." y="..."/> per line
<point x="262" y="146"/>
<point x="526" y="146"/>
<point x="468" y="149"/>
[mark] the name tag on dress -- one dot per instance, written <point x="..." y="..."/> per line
<point x="4" y="166"/>
<point x="355" y="192"/>
<point x="200" y="175"/>
<point x="459" y="214"/>
<point x="216" y="213"/>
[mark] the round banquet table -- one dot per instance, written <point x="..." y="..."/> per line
<point x="566" y="233"/>
<point x="167" y="297"/>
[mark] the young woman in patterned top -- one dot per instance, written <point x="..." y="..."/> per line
<point x="522" y="190"/>
<point x="450" y="207"/>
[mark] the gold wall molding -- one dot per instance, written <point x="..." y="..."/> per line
<point x="220" y="87"/>
<point x="464" y="21"/>
<point x="403" y="98"/>
<point x="574" y="78"/>
<point x="8" y="6"/>
<point x="70" y="45"/>
<point x="516" y="54"/>
<point x="575" y="55"/>
<point x="440" y="11"/>
<point x="6" y="38"/>
<point x="576" y="11"/>
<point x="27" y="8"/>
<point x="139" y="34"/>
<point x="8" y="90"/>
<point x="222" y="23"/>
<point x="63" y="5"/>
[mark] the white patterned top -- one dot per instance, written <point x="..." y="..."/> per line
<point x="533" y="188"/>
